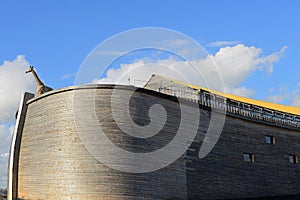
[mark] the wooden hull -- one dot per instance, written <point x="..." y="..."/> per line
<point x="54" y="163"/>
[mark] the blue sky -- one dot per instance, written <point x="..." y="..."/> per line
<point x="56" y="37"/>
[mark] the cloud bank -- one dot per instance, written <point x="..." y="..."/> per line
<point x="295" y="101"/>
<point x="234" y="64"/>
<point x="5" y="136"/>
<point x="13" y="82"/>
<point x="223" y="43"/>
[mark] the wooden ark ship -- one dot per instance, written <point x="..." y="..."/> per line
<point x="255" y="156"/>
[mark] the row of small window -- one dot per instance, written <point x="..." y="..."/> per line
<point x="249" y="157"/>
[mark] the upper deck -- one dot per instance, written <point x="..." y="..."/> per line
<point x="277" y="114"/>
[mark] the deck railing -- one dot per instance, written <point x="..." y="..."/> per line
<point x="207" y="99"/>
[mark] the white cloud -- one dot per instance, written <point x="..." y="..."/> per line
<point x="284" y="95"/>
<point x="67" y="76"/>
<point x="271" y="90"/>
<point x="268" y="61"/>
<point x="4" y="155"/>
<point x="234" y="64"/>
<point x="4" y="139"/>
<point x="3" y="170"/>
<point x="242" y="91"/>
<point x="176" y="43"/>
<point x="140" y="71"/>
<point x="223" y="43"/>
<point x="278" y="98"/>
<point x="296" y="100"/>
<point x="11" y="130"/>
<point x="4" y="149"/>
<point x="13" y="82"/>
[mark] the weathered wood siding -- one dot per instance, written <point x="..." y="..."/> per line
<point x="224" y="174"/>
<point x="54" y="164"/>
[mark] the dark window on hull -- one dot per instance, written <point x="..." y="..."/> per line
<point x="270" y="139"/>
<point x="249" y="157"/>
<point x="293" y="159"/>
